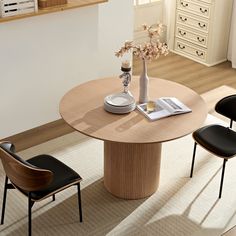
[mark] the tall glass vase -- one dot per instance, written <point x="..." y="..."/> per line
<point x="143" y="84"/>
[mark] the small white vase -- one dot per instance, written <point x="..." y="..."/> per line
<point x="143" y="84"/>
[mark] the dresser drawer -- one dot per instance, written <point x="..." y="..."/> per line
<point x="191" y="21"/>
<point x="191" y="36"/>
<point x="201" y="1"/>
<point x="194" y="7"/>
<point x="190" y="50"/>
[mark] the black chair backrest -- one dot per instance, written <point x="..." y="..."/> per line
<point x="21" y="173"/>
<point x="227" y="107"/>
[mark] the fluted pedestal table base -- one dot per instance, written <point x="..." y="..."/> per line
<point x="131" y="171"/>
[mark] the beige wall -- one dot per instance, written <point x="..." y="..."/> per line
<point x="149" y="14"/>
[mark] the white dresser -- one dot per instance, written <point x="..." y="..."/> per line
<point x="202" y="30"/>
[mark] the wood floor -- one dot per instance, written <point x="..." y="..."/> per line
<point x="189" y="73"/>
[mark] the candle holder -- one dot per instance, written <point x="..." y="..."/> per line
<point x="124" y="102"/>
<point x="126" y="76"/>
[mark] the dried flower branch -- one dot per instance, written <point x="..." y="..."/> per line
<point x="149" y="50"/>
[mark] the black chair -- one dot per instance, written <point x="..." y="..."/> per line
<point x="38" y="178"/>
<point x="217" y="139"/>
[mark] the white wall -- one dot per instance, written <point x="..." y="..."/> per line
<point x="115" y="26"/>
<point x="43" y="57"/>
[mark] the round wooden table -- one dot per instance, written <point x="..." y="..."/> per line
<point x="132" y="143"/>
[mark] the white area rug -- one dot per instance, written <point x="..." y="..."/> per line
<point x="181" y="206"/>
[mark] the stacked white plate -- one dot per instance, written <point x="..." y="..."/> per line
<point x="119" y="103"/>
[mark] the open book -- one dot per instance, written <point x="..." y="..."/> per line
<point x="163" y="107"/>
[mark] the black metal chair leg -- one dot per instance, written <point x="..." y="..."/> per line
<point x="193" y="160"/>
<point x="231" y="124"/>
<point x="79" y="202"/>
<point x="53" y="197"/>
<point x="222" y="177"/>
<point x="4" y="200"/>
<point x="30" y="204"/>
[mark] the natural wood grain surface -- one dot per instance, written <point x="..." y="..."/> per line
<point x="82" y="108"/>
<point x="70" y="5"/>
<point x="196" y="76"/>
<point x="131" y="171"/>
<point x="132" y="146"/>
<point x="25" y="177"/>
<point x="39" y="134"/>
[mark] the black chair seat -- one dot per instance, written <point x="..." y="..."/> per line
<point x="217" y="139"/>
<point x="62" y="175"/>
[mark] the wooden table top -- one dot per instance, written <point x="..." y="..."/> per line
<point x="82" y="108"/>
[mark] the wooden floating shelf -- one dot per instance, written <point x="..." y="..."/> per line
<point x="70" y="5"/>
